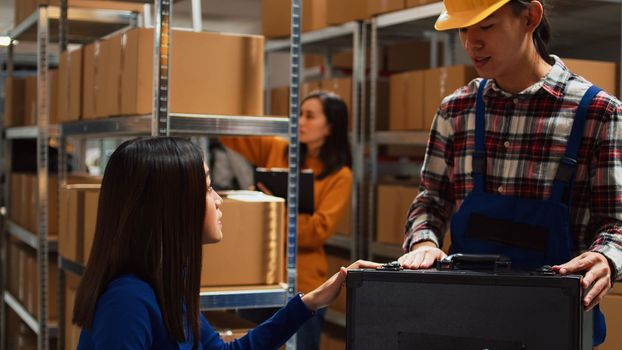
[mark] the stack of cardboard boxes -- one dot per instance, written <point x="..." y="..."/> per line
<point x="211" y="73"/>
<point x="612" y="308"/>
<point x="318" y="14"/>
<point x="23" y="279"/>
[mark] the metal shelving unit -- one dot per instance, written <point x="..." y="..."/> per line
<point x="47" y="24"/>
<point x="416" y="22"/>
<point x="162" y="122"/>
<point x="327" y="41"/>
<point x="29" y="238"/>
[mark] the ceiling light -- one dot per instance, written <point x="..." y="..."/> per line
<point x="5" y="40"/>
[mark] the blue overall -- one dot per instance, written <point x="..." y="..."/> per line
<point x="531" y="232"/>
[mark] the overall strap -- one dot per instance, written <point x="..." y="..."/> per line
<point x="479" y="156"/>
<point x="568" y="164"/>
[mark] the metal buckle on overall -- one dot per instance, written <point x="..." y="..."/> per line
<point x="479" y="157"/>
<point x="567" y="169"/>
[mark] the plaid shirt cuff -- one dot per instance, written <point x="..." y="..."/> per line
<point x="614" y="255"/>
<point x="419" y="236"/>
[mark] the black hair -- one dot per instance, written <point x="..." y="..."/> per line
<point x="542" y="34"/>
<point x="335" y="153"/>
<point x="149" y="223"/>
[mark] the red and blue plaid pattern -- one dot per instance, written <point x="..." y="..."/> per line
<point x="526" y="135"/>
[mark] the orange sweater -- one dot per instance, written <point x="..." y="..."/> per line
<point x="331" y="196"/>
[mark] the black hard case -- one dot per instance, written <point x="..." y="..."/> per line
<point x="442" y="310"/>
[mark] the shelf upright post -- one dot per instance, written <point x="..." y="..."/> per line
<point x="294" y="152"/>
<point x="42" y="173"/>
<point x="63" y="38"/>
<point x="162" y="46"/>
<point x="358" y="136"/>
<point x="373" y="149"/>
<point x="5" y="149"/>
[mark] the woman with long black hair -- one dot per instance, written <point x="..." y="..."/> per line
<point x="140" y="289"/>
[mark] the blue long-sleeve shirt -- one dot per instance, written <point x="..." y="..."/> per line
<point x="128" y="316"/>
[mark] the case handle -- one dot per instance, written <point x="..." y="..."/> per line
<point x="474" y="262"/>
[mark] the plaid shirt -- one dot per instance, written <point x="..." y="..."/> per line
<point x="526" y="136"/>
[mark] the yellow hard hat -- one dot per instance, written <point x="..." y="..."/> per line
<point x="465" y="13"/>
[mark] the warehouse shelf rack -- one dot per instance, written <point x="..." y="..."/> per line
<point x="408" y="23"/>
<point x="47" y="23"/>
<point x="86" y="24"/>
<point x="327" y="41"/>
<point x="163" y="122"/>
<point x="29" y="238"/>
<point x="180" y="124"/>
<point x="27" y="318"/>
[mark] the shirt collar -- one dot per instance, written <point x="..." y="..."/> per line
<point x="554" y="82"/>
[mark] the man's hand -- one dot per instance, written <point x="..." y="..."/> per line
<point x="597" y="275"/>
<point x="422" y="256"/>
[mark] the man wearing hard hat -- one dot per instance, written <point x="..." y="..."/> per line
<point x="526" y="162"/>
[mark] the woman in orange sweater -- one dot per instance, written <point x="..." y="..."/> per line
<point x="324" y="149"/>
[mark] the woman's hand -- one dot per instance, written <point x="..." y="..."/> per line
<point x="423" y="255"/>
<point x="325" y="294"/>
<point x="597" y="275"/>
<point x="264" y="189"/>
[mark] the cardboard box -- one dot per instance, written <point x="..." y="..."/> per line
<point x="211" y="73"/>
<point x="406" y="104"/>
<point x="91" y="200"/>
<point x="52" y="290"/>
<point x="14" y="95"/>
<point x="24" y="8"/>
<point x="334" y="264"/>
<point x="275" y="17"/>
<point x="312" y="60"/>
<point x="30" y="99"/>
<point x="601" y="74"/>
<point x="415" y="3"/>
<point x="345" y="59"/>
<point x="15" y="191"/>
<point x="72" y="332"/>
<point x="102" y="78"/>
<point x="393" y="204"/>
<point x="279" y="101"/>
<point x="343" y="11"/>
<point x="308" y="88"/>
<point x="616" y="289"/>
<point x="110" y="74"/>
<point x="90" y="55"/>
<point x="612" y="308"/>
<point x="376" y="7"/>
<point x="253" y="227"/>
<point x="31" y="285"/>
<point x="30" y="216"/>
<point x="411" y="55"/>
<point x="78" y="208"/>
<point x="13" y="263"/>
<point x="70" y="85"/>
<point x="441" y="82"/>
<point x="343" y="88"/>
